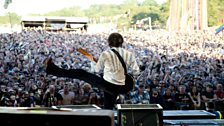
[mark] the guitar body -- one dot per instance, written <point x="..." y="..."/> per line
<point x="129" y="84"/>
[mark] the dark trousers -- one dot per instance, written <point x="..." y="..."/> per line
<point x="111" y="91"/>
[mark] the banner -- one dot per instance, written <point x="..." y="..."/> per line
<point x="221" y="28"/>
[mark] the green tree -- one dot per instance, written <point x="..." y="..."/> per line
<point x="67" y="12"/>
<point x="150" y="3"/>
<point x="215" y="12"/>
<point x="164" y="13"/>
<point x="10" y="18"/>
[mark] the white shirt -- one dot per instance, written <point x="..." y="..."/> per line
<point x="67" y="99"/>
<point x="112" y="67"/>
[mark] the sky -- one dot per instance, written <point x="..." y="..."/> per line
<point x="25" y="7"/>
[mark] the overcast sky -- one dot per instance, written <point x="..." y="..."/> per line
<point x="24" y="7"/>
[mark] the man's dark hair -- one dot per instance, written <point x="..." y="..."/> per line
<point x="211" y="105"/>
<point x="115" y="40"/>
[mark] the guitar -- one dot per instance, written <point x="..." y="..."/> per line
<point x="129" y="79"/>
<point x="86" y="54"/>
<point x="129" y="84"/>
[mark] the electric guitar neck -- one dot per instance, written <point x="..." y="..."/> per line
<point x="85" y="53"/>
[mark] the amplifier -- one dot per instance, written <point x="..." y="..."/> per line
<point x="52" y="117"/>
<point x="139" y="115"/>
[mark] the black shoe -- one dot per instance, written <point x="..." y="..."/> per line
<point x="49" y="65"/>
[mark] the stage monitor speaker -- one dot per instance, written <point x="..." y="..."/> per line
<point x="54" y="117"/>
<point x="187" y="114"/>
<point x="92" y="106"/>
<point x="194" y="122"/>
<point x="139" y="115"/>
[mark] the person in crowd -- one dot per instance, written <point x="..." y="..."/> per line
<point x="52" y="98"/>
<point x="182" y="98"/>
<point x="219" y="104"/>
<point x="195" y="98"/>
<point x="155" y="83"/>
<point x="94" y="98"/>
<point x="219" y="92"/>
<point x="27" y="100"/>
<point x="140" y="96"/>
<point x="208" y="95"/>
<point x="156" y="98"/>
<point x="80" y="98"/>
<point x="162" y="88"/>
<point x="67" y="95"/>
<point x="169" y="100"/>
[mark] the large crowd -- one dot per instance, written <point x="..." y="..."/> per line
<point x="178" y="70"/>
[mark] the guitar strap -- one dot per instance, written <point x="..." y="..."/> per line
<point x="129" y="80"/>
<point x="121" y="60"/>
